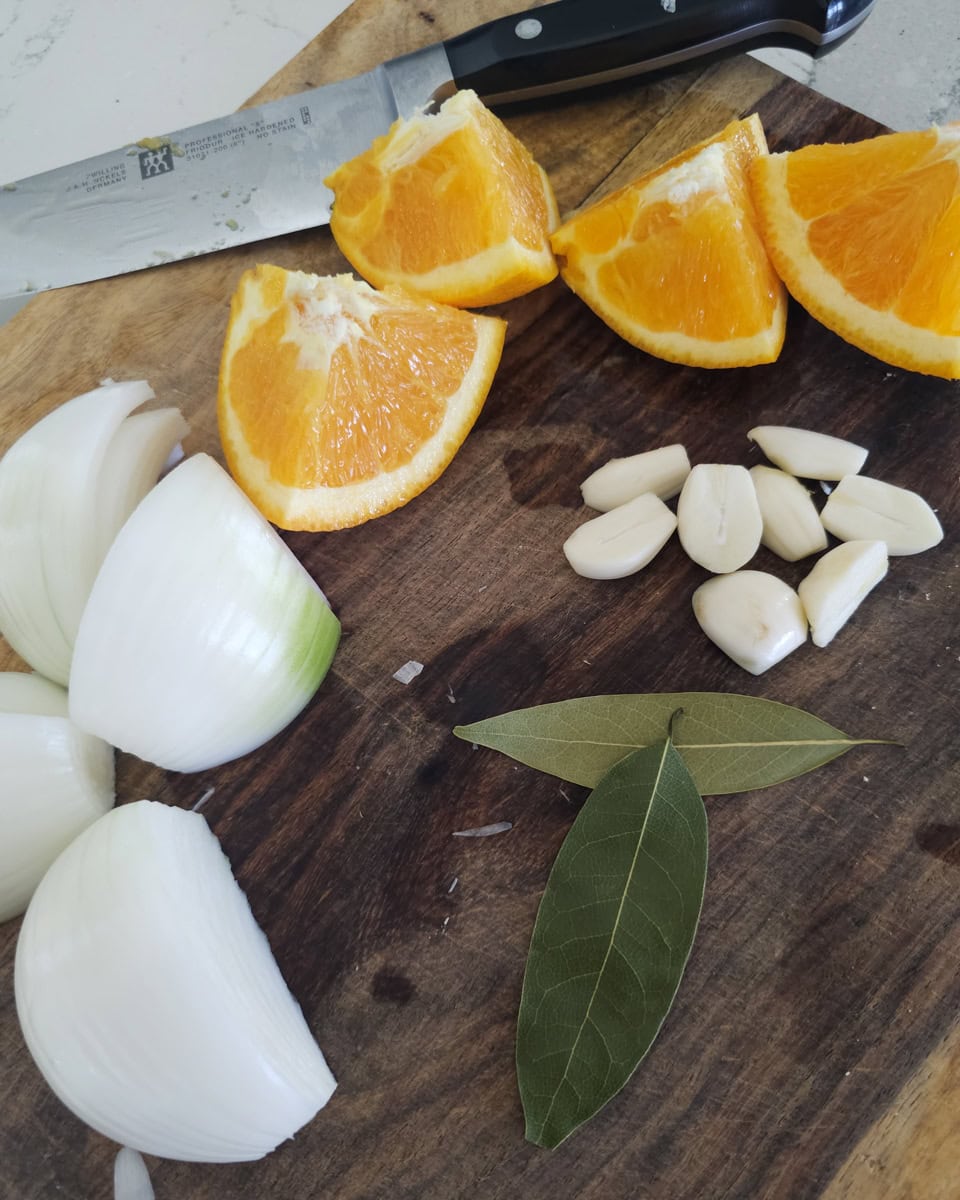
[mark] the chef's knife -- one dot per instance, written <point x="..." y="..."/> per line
<point x="259" y="172"/>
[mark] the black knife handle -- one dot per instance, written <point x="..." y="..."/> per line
<point x="575" y="43"/>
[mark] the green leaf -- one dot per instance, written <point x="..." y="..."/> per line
<point x="730" y="743"/>
<point x="612" y="938"/>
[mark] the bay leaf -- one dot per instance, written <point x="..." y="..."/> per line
<point x="613" y="933"/>
<point x="730" y="743"/>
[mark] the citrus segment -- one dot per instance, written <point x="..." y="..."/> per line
<point x="866" y="236"/>
<point x="823" y="181"/>
<point x="674" y="261"/>
<point x="449" y="205"/>
<point x="338" y="403"/>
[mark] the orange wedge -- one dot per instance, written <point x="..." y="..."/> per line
<point x="338" y="403"/>
<point x="674" y="261"/>
<point x="866" y="235"/>
<point x="447" y="205"/>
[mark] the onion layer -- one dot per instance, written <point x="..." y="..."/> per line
<point x="135" y="459"/>
<point x="203" y="635"/>
<point x="66" y="486"/>
<point x="54" y="782"/>
<point x="151" y="1002"/>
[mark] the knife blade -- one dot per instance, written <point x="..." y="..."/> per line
<point x="258" y="173"/>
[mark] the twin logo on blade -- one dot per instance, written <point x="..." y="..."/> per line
<point x="156" y="155"/>
<point x="155" y="162"/>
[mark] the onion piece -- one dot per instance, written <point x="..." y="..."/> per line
<point x="21" y="692"/>
<point x="151" y="1001"/>
<point x="203" y="635"/>
<point x="135" y="459"/>
<point x="131" y="1179"/>
<point x="54" y="782"/>
<point x="54" y="529"/>
<point x="483" y="831"/>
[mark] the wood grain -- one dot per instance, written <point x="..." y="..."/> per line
<point x="910" y="1153"/>
<point x="817" y="1018"/>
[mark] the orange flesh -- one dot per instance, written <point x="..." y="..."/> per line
<point x="872" y="244"/>
<point x="824" y="178"/>
<point x="885" y="222"/>
<point x="867" y="237"/>
<point x="696" y="267"/>
<point x="410" y="205"/>
<point x="677" y="275"/>
<point x="382" y="398"/>
<point x="931" y="295"/>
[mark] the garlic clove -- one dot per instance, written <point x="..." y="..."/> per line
<point x="861" y="508"/>
<point x="150" y="999"/>
<point x="808" y="454"/>
<point x="754" y="618"/>
<point x="718" y="517"/>
<point x="55" y="781"/>
<point x="660" y="471"/>
<point x="621" y="541"/>
<point x="839" y="581"/>
<point x="792" y="528"/>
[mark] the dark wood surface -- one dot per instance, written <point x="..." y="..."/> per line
<point x="812" y="1051"/>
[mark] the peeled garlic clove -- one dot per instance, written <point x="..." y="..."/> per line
<point x="203" y="636"/>
<point x="719" y="520"/>
<point x="792" y="527"/>
<point x="660" y="471"/>
<point x="755" y="618"/>
<point x="860" y="508"/>
<point x="54" y="782"/>
<point x="807" y="454"/>
<point x="621" y="541"/>
<point x="833" y="590"/>
<point x="151" y="1002"/>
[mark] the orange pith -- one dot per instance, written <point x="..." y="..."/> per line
<point x="450" y="206"/>
<point x="674" y="261"/>
<point x="338" y="403"/>
<point x="866" y="236"/>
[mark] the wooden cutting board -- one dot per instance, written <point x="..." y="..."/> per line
<point x="813" y="1048"/>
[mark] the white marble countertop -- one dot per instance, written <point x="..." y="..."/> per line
<point x="79" y="77"/>
<point x="82" y="77"/>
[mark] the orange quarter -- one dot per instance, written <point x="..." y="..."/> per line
<point x="338" y="403"/>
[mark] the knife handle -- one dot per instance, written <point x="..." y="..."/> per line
<point x="575" y="43"/>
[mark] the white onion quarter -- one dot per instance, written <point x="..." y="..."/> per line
<point x="203" y="635"/>
<point x="150" y="999"/>
<point x="66" y="487"/>
<point x="54" y="782"/>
